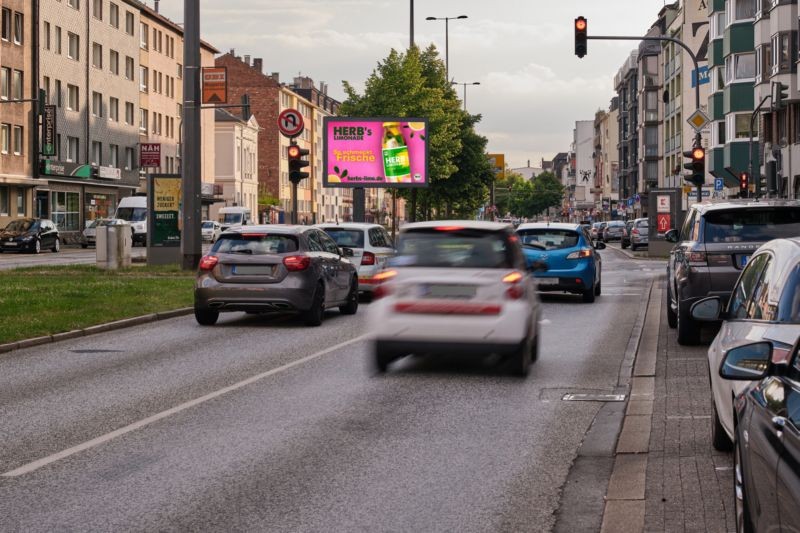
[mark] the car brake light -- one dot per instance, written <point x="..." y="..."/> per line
<point x="635" y="231"/>
<point x="697" y="258"/>
<point x="517" y="289"/>
<point x="296" y="263"/>
<point x="380" y="279"/>
<point x="580" y="254"/>
<point x="208" y="262"/>
<point x="252" y="235"/>
<point x="448" y="228"/>
<point x="368" y="258"/>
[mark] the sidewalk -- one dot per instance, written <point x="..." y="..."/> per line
<point x="667" y="476"/>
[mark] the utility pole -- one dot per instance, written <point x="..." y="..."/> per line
<point x="191" y="170"/>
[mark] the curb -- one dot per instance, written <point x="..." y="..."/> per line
<point x="632" y="255"/>
<point x="92" y="330"/>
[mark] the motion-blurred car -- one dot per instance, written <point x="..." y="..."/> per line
<point x="30" y="235"/>
<point x="626" y="235"/>
<point x="713" y="246"/>
<point x="766" y="453"/>
<point x="371" y="245"/>
<point x="275" y="268"/>
<point x="210" y="231"/>
<point x="573" y="264"/>
<point x="640" y="233"/>
<point x="457" y="287"/>
<point x="613" y="231"/>
<point x="765" y="305"/>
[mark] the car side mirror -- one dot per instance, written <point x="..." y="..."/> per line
<point x="599" y="245"/>
<point x="671" y="236"/>
<point x="707" y="309"/>
<point x="747" y="363"/>
<point x="346" y="252"/>
<point x="538" y="266"/>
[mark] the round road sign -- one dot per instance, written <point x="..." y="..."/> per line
<point x="290" y="123"/>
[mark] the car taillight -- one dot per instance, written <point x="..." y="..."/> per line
<point x="516" y="289"/>
<point x="208" y="262"/>
<point x="696" y="258"/>
<point x="635" y="231"/>
<point x="380" y="280"/>
<point x="580" y="254"/>
<point x="368" y="258"/>
<point x="296" y="263"/>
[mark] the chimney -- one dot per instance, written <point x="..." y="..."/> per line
<point x="247" y="59"/>
<point x="258" y="64"/>
<point x="529" y="163"/>
<point x="232" y="52"/>
<point x="156" y="6"/>
<point x="276" y="76"/>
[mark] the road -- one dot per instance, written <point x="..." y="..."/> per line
<point x="306" y="437"/>
<point x="67" y="256"/>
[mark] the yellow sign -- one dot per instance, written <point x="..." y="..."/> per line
<point x="498" y="162"/>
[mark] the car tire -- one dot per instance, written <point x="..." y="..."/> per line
<point x="623" y="245"/>
<point x="719" y="439"/>
<point x="535" y="349"/>
<point x="84" y="246"/>
<point x="351" y="307"/>
<point x="521" y="359"/>
<point x="588" y="295"/>
<point x="381" y="359"/>
<point x="205" y="317"/>
<point x="688" y="329"/>
<point x="598" y="288"/>
<point x="37" y="246"/>
<point x="313" y="317"/>
<point x="742" y="511"/>
<point x="56" y="246"/>
<point x="672" y="317"/>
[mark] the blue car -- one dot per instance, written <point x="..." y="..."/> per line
<point x="573" y="264"/>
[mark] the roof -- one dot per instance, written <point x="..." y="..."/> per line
<point x="348" y="225"/>
<point x="472" y="224"/>
<point x="744" y="203"/>
<point x="152" y="13"/>
<point x="553" y="225"/>
<point x="268" y="228"/>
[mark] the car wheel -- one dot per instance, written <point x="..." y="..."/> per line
<point x="589" y="295"/>
<point x="381" y="359"/>
<point x="719" y="438"/>
<point x="743" y="523"/>
<point x="351" y="307"/>
<point x="672" y="317"/>
<point x="521" y="359"/>
<point x="37" y="246"/>
<point x="313" y="317"/>
<point x="598" y="288"/>
<point x="57" y="246"/>
<point x="84" y="246"/>
<point x="688" y="329"/>
<point x="205" y="317"/>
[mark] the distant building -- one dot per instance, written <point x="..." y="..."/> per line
<point x="236" y="161"/>
<point x="528" y="172"/>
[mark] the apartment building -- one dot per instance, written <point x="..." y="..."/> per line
<point x="626" y="84"/>
<point x="606" y="167"/>
<point x="17" y="82"/>
<point x="236" y="161"/>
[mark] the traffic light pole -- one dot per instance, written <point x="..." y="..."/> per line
<point x="191" y="171"/>
<point x="750" y="146"/>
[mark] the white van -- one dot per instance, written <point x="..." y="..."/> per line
<point x="134" y="210"/>
<point x="234" y="216"/>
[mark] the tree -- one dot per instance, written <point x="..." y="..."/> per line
<point x="537" y="195"/>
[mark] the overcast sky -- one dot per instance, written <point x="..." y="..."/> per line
<point x="532" y="90"/>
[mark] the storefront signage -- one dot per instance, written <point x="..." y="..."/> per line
<point x="149" y="155"/>
<point x="109" y="173"/>
<point x="49" y="131"/>
<point x="166" y="209"/>
<point x="215" y="85"/>
<point x="62" y="168"/>
<point x="375" y="152"/>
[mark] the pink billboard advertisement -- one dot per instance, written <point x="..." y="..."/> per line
<point x="375" y="152"/>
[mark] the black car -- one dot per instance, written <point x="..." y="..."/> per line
<point x="766" y="443"/>
<point x="30" y="235"/>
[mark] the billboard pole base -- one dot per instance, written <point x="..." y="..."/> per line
<point x="359" y="202"/>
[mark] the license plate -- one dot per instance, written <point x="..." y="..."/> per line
<point x="11" y="243"/>
<point x="447" y="291"/>
<point x="547" y="281"/>
<point x="250" y="270"/>
<point x="743" y="260"/>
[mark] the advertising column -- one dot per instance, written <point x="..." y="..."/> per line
<point x="164" y="219"/>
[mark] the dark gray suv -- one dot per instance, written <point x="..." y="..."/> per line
<point x="713" y="246"/>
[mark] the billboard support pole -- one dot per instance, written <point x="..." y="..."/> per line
<point x="359" y="201"/>
<point x="191" y="248"/>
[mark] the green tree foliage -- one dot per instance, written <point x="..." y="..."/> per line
<point x="533" y="197"/>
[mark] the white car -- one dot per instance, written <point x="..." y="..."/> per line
<point x="764" y="306"/>
<point x="372" y="248"/>
<point x="457" y="287"/>
<point x="210" y="230"/>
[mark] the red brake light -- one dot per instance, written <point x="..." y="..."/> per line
<point x="697" y="258"/>
<point x="296" y="263"/>
<point x="368" y="258"/>
<point x="380" y="278"/>
<point x="635" y="231"/>
<point x="208" y="262"/>
<point x="517" y="289"/>
<point x="448" y="228"/>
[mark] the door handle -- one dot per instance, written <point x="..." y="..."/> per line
<point x="779" y="422"/>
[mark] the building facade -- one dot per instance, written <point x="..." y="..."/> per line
<point x="626" y="85"/>
<point x="236" y="161"/>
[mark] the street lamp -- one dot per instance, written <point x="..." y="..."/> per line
<point x="465" y="89"/>
<point x="446" y="40"/>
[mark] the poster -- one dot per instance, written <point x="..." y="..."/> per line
<point x="166" y="211"/>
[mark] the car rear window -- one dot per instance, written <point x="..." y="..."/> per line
<point x="453" y="248"/>
<point x="346" y="238"/>
<point x="207" y="225"/>
<point x="616" y="224"/>
<point x="756" y="224"/>
<point x="642" y="224"/>
<point x="255" y="244"/>
<point x="551" y="239"/>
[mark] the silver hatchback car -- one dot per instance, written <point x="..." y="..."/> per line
<point x="275" y="268"/>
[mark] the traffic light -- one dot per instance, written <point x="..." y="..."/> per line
<point x="781" y="95"/>
<point x="580" y="36"/>
<point x="744" y="183"/>
<point x="296" y="163"/>
<point x="697" y="164"/>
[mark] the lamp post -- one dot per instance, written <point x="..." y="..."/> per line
<point x="465" y="89"/>
<point x="446" y="40"/>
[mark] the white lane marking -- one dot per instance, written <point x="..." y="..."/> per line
<point x="35" y="465"/>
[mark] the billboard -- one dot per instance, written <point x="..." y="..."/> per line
<point x="166" y="208"/>
<point x="375" y="152"/>
<point x="498" y="163"/>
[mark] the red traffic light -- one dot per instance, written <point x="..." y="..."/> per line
<point x="580" y="24"/>
<point x="294" y="151"/>
<point x="698" y="153"/>
<point x="743" y="179"/>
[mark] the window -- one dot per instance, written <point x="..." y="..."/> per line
<point x="5" y="83"/>
<point x="738" y="124"/>
<point x="717" y="21"/>
<point x="760" y="308"/>
<point x="144" y="76"/>
<point x="57" y="38"/>
<point x="6" y="33"/>
<point x="180" y="71"/>
<point x="97" y="153"/>
<point x="5" y="137"/>
<point x="113" y="60"/>
<point x="75" y="4"/>
<point x="718" y="133"/>
<point x="113" y="109"/>
<point x="742" y="292"/>
<point x="4" y="201"/>
<point x="144" y="35"/>
<point x="129" y="113"/>
<point x="97" y="104"/>
<point x="57" y="93"/>
<point x="129" y="68"/>
<point x="740" y="67"/>
<point x="143" y="120"/>
<point x="73" y="145"/>
<point x="64" y="209"/>
<point x="129" y="154"/>
<point x="129" y="22"/>
<point x="113" y="156"/>
<point x="21" y="205"/>
<point x="97" y="55"/>
<point x="19" y="28"/>
<point x="18" y="140"/>
<point x="97" y="9"/>
<point x="782" y="53"/>
<point x="16" y="85"/>
<point x="72" y="98"/>
<point x="46" y="88"/>
<point x="74" y="51"/>
<point x="113" y="14"/>
<point x="46" y="35"/>
<point x="741" y="10"/>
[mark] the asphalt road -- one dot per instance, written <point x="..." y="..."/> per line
<point x="69" y="255"/>
<point x="313" y="441"/>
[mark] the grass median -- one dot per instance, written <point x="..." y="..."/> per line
<point x="54" y="299"/>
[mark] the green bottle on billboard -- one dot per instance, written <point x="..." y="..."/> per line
<point x="396" y="162"/>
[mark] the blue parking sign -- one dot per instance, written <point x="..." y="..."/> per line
<point x="718" y="184"/>
<point x="630" y="202"/>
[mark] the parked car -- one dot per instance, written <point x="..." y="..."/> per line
<point x="210" y="230"/>
<point x="269" y="268"/>
<point x="133" y="209"/>
<point x="640" y="233"/>
<point x="371" y="245"/>
<point x="626" y="235"/>
<point x="766" y="447"/>
<point x="597" y="230"/>
<point x="573" y="264"/>
<point x="30" y="235"/>
<point x="613" y="231"/>
<point x="457" y="287"/>
<point x="713" y="246"/>
<point x="89" y="235"/>
<point x="233" y="216"/>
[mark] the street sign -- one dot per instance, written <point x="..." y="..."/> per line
<point x="215" y="85"/>
<point x="662" y="203"/>
<point x="698" y="120"/>
<point x="693" y="194"/>
<point x="637" y="198"/>
<point x="630" y="202"/>
<point x="718" y="184"/>
<point x="49" y="131"/>
<point x="663" y="222"/>
<point x="498" y="164"/>
<point x="290" y="123"/>
<point x="149" y="155"/>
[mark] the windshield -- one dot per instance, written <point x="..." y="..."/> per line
<point x="347" y="238"/>
<point x="453" y="248"/>
<point x="23" y="224"/>
<point x="255" y="244"/>
<point x="132" y="214"/>
<point x="230" y="218"/>
<point x="757" y="224"/>
<point x="550" y="239"/>
<point x="208" y="225"/>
